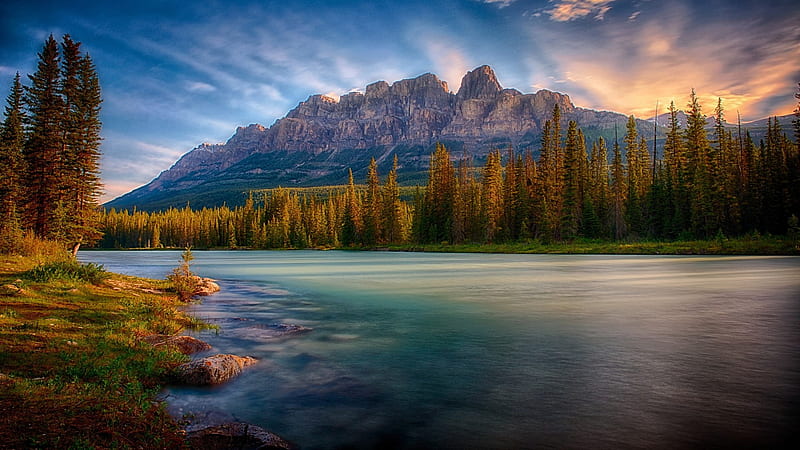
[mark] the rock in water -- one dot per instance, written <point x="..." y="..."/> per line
<point x="213" y="369"/>
<point x="237" y="435"/>
<point x="205" y="286"/>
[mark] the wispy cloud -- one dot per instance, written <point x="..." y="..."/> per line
<point x="650" y="61"/>
<point x="567" y="10"/>
<point x="449" y="63"/>
<point x="199" y="86"/>
<point x="499" y="3"/>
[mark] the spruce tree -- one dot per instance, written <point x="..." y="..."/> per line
<point x="44" y="147"/>
<point x="575" y="154"/>
<point x="493" y="195"/>
<point x="12" y="140"/>
<point x="83" y="157"/>
<point x="699" y="162"/>
<point x="618" y="194"/>
<point x="372" y="206"/>
<point x="392" y="208"/>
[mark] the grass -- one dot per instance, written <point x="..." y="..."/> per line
<point x="74" y="372"/>
<point x="750" y="245"/>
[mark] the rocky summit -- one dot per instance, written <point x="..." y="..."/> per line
<point x="320" y="139"/>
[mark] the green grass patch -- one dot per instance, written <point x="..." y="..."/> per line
<point x="74" y="372"/>
<point x="67" y="270"/>
<point x="748" y="245"/>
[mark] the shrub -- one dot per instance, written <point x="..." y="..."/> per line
<point x="15" y="242"/>
<point x="70" y="270"/>
<point x="182" y="278"/>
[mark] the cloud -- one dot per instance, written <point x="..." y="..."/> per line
<point x="567" y="10"/>
<point x="448" y="61"/>
<point x="5" y="70"/>
<point x="662" y="60"/>
<point x="499" y="3"/>
<point x="199" y="86"/>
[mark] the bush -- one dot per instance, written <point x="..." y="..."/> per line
<point x="70" y="270"/>
<point x="182" y="278"/>
<point x="15" y="242"/>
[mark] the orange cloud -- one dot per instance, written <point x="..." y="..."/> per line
<point x="567" y="10"/>
<point x="661" y="61"/>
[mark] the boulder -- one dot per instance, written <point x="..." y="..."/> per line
<point x="237" y="435"/>
<point x="205" y="286"/>
<point x="184" y="344"/>
<point x="213" y="369"/>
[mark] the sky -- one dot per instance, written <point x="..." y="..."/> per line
<point x="177" y="74"/>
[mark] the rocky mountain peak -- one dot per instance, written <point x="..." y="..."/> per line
<point x="318" y="140"/>
<point x="480" y="83"/>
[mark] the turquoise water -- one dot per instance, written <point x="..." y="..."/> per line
<point x="414" y="350"/>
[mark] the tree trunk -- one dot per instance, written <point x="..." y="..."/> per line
<point x="75" y="249"/>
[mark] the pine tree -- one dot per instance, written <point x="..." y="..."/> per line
<point x="372" y="206"/>
<point x="796" y="120"/>
<point x="493" y="195"/>
<point x="618" y="194"/>
<point x="392" y="208"/>
<point x="598" y="188"/>
<point x="575" y="156"/>
<point x="83" y="168"/>
<point x="698" y="154"/>
<point x="439" y="198"/>
<point x="43" y="149"/>
<point x="12" y="141"/>
<point x="353" y="223"/>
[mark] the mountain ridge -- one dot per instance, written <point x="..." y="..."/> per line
<point x="317" y="141"/>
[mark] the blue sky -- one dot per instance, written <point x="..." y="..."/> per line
<point x="176" y="74"/>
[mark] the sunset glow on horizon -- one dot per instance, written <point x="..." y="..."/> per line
<point x="176" y="74"/>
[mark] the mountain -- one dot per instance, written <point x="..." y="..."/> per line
<point x="318" y="140"/>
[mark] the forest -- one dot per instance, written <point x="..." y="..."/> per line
<point x="50" y="151"/>
<point x="706" y="183"/>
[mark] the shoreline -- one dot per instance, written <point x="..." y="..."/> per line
<point x="743" y="246"/>
<point x="75" y="368"/>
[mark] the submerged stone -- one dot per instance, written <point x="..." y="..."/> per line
<point x="237" y="435"/>
<point x="213" y="369"/>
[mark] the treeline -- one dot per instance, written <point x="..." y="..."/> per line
<point x="704" y="185"/>
<point x="281" y="218"/>
<point x="50" y="150"/>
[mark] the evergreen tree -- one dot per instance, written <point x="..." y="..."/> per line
<point x="437" y="219"/>
<point x="493" y="195"/>
<point x="703" y="223"/>
<point x="44" y="147"/>
<point x="796" y="120"/>
<point x="392" y="208"/>
<point x="12" y="140"/>
<point x="352" y="226"/>
<point x="618" y="194"/>
<point x="575" y="155"/>
<point x="83" y="157"/>
<point x="372" y="206"/>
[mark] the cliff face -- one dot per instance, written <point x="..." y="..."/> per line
<point x="321" y="137"/>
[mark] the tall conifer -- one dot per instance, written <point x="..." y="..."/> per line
<point x="44" y="148"/>
<point x="12" y="140"/>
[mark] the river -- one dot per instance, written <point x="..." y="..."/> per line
<point x="423" y="350"/>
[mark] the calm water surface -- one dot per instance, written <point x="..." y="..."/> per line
<point x="412" y="350"/>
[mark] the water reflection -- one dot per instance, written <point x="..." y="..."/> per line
<point x="501" y="351"/>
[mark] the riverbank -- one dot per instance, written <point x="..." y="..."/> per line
<point x="734" y="246"/>
<point x="74" y="370"/>
<point x="748" y="245"/>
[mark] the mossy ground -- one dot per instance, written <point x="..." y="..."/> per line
<point x="74" y="372"/>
